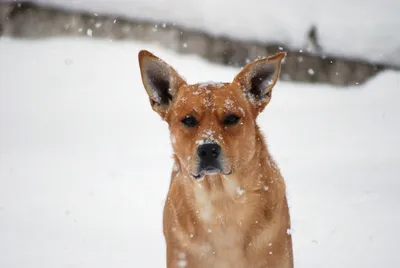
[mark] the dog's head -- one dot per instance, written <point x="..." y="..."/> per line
<point x="212" y="125"/>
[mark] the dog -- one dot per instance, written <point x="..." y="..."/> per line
<point x="226" y="205"/>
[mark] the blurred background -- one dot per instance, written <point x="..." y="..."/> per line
<point x="85" y="162"/>
<point x="333" y="42"/>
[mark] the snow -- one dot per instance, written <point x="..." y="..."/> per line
<point x="352" y="28"/>
<point x="239" y="191"/>
<point x="182" y="263"/>
<point x="173" y="139"/>
<point x="182" y="260"/>
<point x="85" y="163"/>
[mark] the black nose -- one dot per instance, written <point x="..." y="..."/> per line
<point x="209" y="151"/>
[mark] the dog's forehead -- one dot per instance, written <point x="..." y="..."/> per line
<point x="210" y="97"/>
<point x="203" y="92"/>
<point x="207" y="88"/>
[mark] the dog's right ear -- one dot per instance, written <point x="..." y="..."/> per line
<point x="258" y="78"/>
<point x="160" y="80"/>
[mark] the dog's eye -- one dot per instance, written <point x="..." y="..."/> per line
<point x="189" y="121"/>
<point x="231" y="119"/>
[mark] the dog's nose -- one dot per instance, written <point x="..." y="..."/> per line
<point x="208" y="151"/>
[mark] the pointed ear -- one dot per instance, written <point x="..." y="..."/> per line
<point x="258" y="78"/>
<point x="160" y="80"/>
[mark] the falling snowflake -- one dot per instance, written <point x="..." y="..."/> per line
<point x="182" y="263"/>
<point x="173" y="139"/>
<point x="239" y="191"/>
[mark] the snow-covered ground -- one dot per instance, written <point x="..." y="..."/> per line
<point x="351" y="28"/>
<point x="85" y="162"/>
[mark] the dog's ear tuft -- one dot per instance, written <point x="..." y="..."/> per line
<point x="258" y="78"/>
<point x="160" y="80"/>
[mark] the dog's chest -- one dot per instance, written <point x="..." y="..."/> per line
<point x="222" y="242"/>
<point x="224" y="205"/>
<point x="221" y="213"/>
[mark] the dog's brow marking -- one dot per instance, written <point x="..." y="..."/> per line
<point x="231" y="105"/>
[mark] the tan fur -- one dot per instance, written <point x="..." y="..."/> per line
<point x="238" y="220"/>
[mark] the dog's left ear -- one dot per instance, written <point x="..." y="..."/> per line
<point x="258" y="78"/>
<point x="160" y="80"/>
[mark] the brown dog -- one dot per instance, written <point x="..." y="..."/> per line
<point x="226" y="205"/>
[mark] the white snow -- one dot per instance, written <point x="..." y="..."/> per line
<point x="239" y="191"/>
<point x="354" y="28"/>
<point x="203" y="85"/>
<point x="85" y="162"/>
<point x="175" y="168"/>
<point x="200" y="142"/>
<point x="228" y="103"/>
<point x="208" y="136"/>
<point x="182" y="262"/>
<point x="173" y="139"/>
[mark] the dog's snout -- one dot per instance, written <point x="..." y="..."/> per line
<point x="209" y="151"/>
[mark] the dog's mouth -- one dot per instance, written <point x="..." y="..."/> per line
<point x="210" y="171"/>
